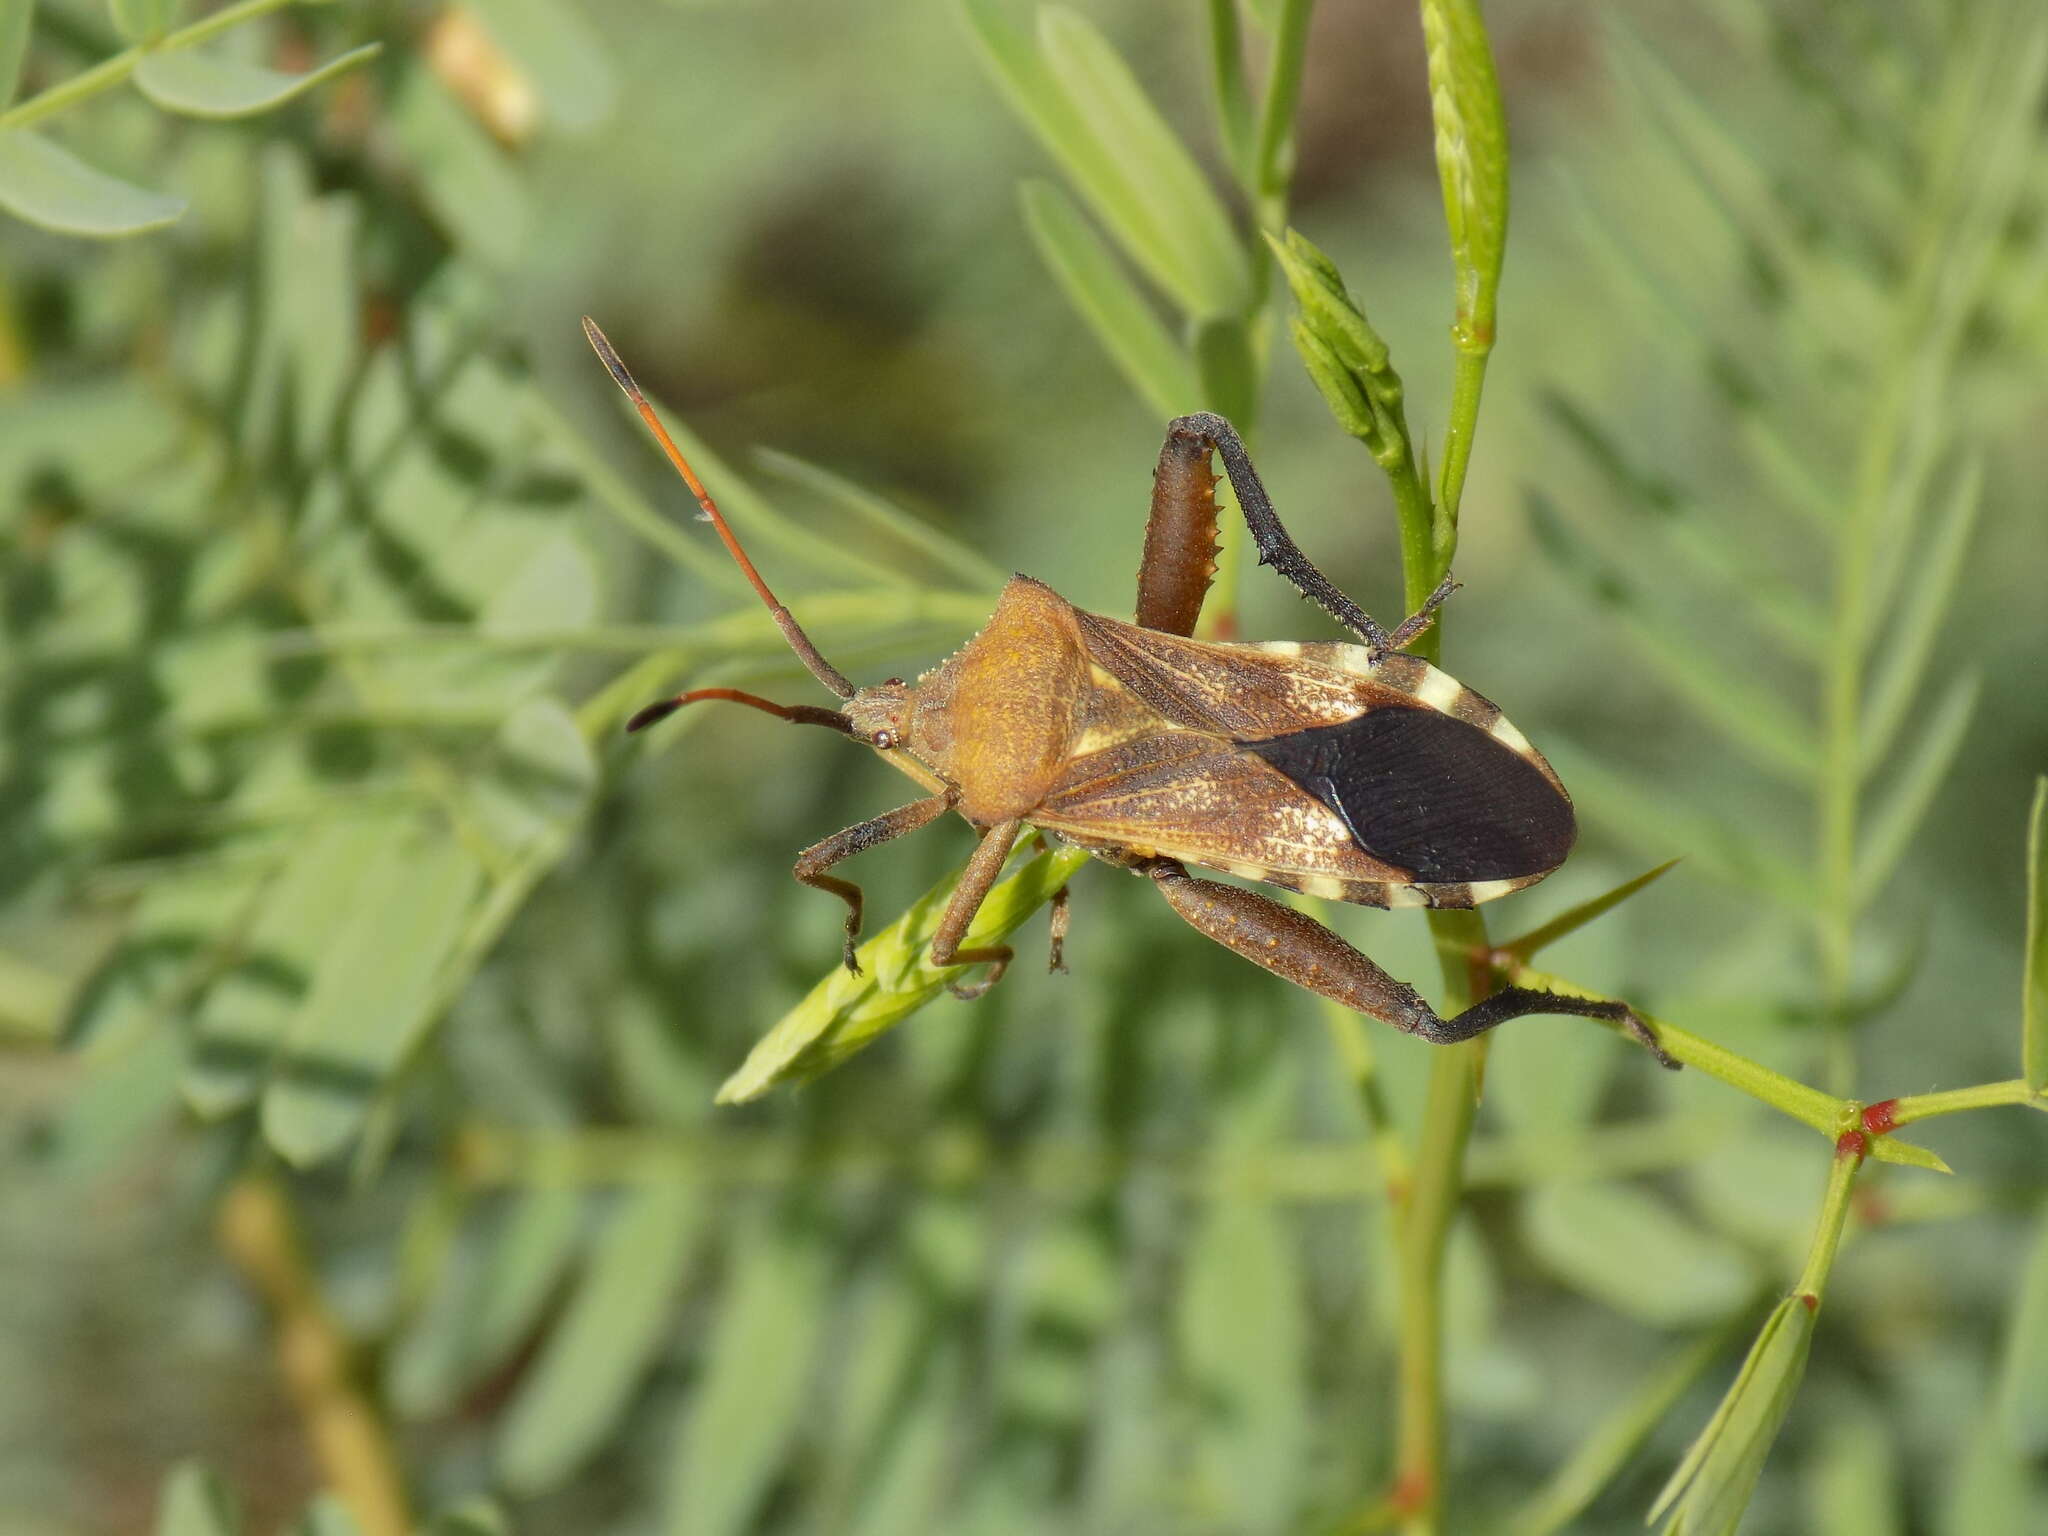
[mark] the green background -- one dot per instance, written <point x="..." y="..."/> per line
<point x="319" y="533"/>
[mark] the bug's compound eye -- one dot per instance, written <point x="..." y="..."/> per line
<point x="882" y="740"/>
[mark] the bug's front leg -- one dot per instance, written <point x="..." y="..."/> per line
<point x="1299" y="949"/>
<point x="812" y="863"/>
<point x="975" y="882"/>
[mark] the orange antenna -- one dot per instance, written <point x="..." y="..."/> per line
<point x="785" y="621"/>
<point x="796" y="714"/>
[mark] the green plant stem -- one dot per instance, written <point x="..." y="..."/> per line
<point x="348" y="1440"/>
<point x="1823" y="1111"/>
<point x="1841" y="753"/>
<point x="1920" y="350"/>
<point x="1233" y="96"/>
<point x="1472" y="162"/>
<point x="1834" y="1215"/>
<point x="1424" y="559"/>
<point x="1453" y="1096"/>
<point x="1266" y="177"/>
<point x="1271" y="163"/>
<point x="1468" y="380"/>
<point x="1438" y="1185"/>
<point x="108" y="73"/>
<point x="1924" y="1106"/>
<point x="1349" y="1033"/>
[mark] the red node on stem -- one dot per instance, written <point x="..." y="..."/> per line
<point x="1411" y="1491"/>
<point x="1877" y="1118"/>
<point x="1852" y="1144"/>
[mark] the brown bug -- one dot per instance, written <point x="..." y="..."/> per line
<point x="1352" y="772"/>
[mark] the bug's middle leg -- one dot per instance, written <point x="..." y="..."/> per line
<point x="1062" y="920"/>
<point x="1299" y="949"/>
<point x="975" y="882"/>
<point x="1181" y="536"/>
<point x="812" y="863"/>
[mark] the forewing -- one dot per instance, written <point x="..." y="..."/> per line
<point x="1193" y="797"/>
<point x="1314" y="766"/>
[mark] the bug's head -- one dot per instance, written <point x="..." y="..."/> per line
<point x="880" y="715"/>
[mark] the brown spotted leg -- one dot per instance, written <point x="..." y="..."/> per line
<point x="1061" y="919"/>
<point x="1299" y="949"/>
<point x="1182" y="533"/>
<point x="812" y="863"/>
<point x="975" y="881"/>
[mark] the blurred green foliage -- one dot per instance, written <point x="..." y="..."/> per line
<point x="362" y="989"/>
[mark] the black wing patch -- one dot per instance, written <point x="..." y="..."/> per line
<point x="1430" y="793"/>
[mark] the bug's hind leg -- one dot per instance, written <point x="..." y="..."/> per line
<point x="1177" y="530"/>
<point x="1180" y="535"/>
<point x="1299" y="949"/>
<point x="1515" y="1002"/>
<point x="812" y="863"/>
<point x="975" y="882"/>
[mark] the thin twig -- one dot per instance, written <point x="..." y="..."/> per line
<point x="348" y="1438"/>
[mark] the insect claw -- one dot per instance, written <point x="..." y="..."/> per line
<point x="1648" y="1036"/>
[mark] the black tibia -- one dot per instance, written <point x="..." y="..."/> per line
<point x="975" y="881"/>
<point x="1180" y="536"/>
<point x="1514" y="1002"/>
<point x="812" y="863"/>
<point x="1299" y="949"/>
<point x="1207" y="430"/>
